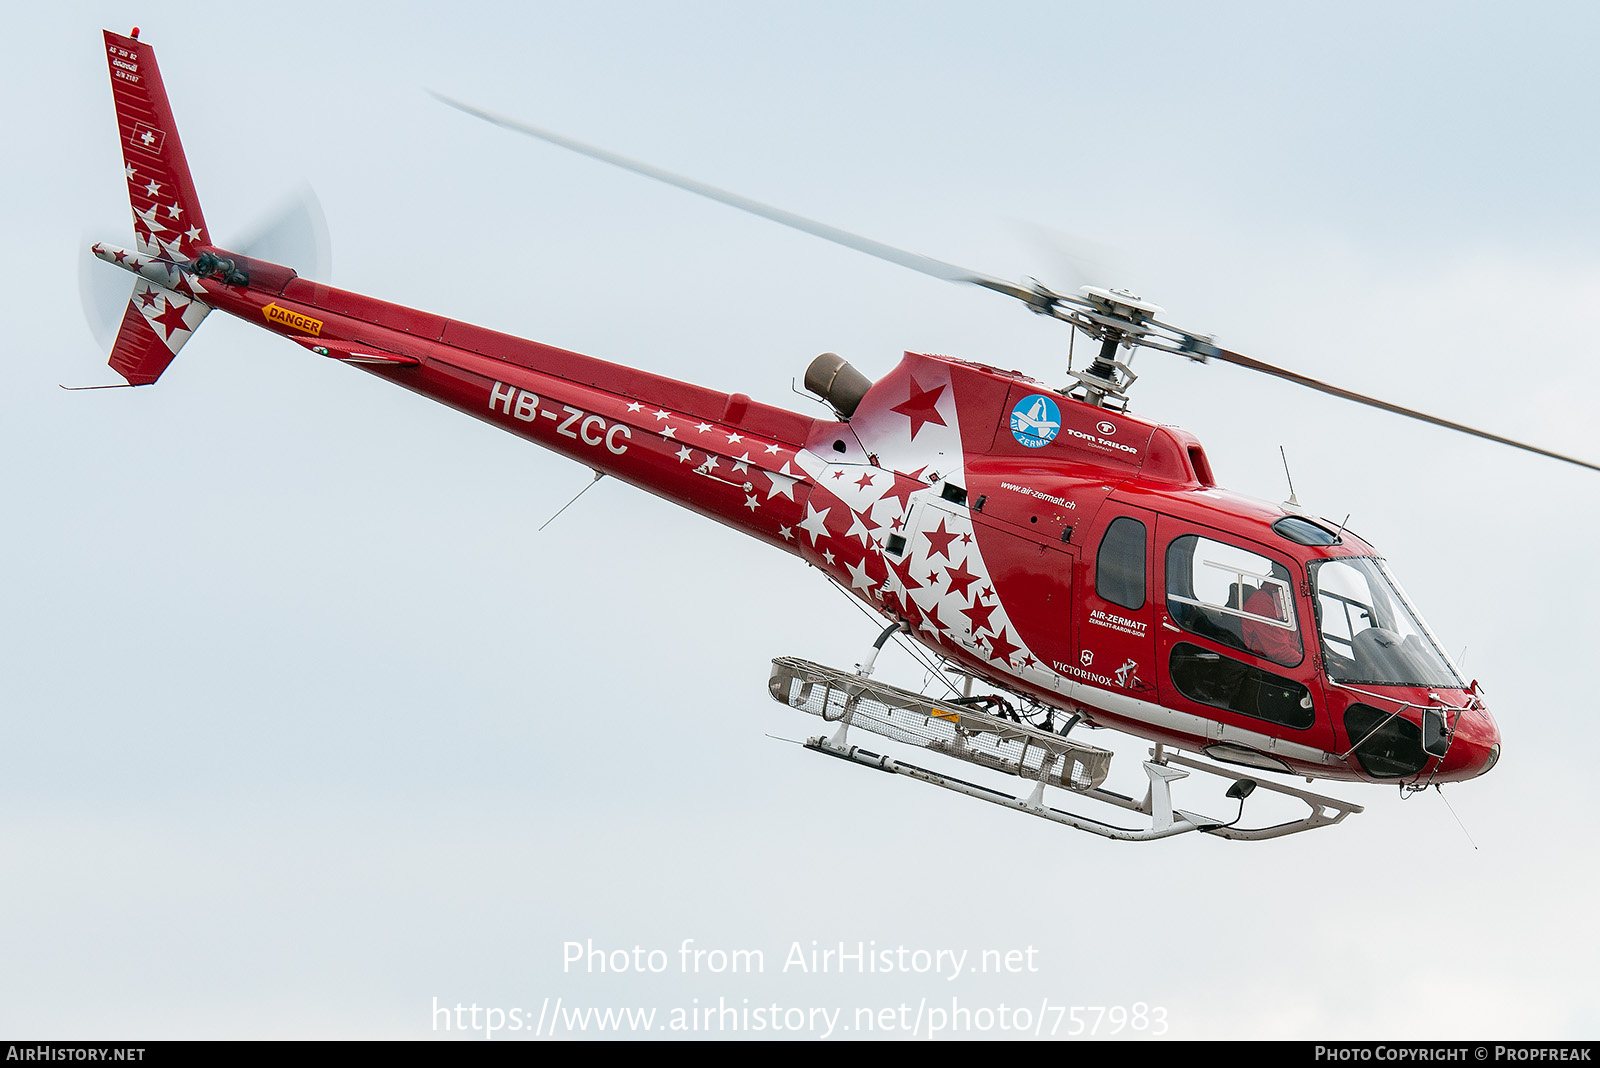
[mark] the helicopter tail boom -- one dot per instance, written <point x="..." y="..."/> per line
<point x="723" y="455"/>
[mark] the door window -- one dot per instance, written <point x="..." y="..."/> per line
<point x="1233" y="596"/>
<point x="1119" y="566"/>
<point x="1223" y="682"/>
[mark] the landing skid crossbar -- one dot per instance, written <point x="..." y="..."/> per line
<point x="1016" y="749"/>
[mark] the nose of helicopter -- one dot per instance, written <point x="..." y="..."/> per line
<point x="1474" y="749"/>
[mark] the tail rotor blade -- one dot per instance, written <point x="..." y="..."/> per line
<point x="295" y="234"/>
<point x="103" y="292"/>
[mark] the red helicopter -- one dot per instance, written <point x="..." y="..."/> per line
<point x="1078" y="559"/>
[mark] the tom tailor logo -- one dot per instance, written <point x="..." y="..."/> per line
<point x="293" y="320"/>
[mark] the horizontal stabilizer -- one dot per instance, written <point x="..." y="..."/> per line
<point x="156" y="325"/>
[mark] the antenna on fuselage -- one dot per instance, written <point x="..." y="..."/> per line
<point x="1293" y="503"/>
<point x="598" y="475"/>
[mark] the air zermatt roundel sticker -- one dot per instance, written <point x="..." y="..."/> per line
<point x="1035" y="420"/>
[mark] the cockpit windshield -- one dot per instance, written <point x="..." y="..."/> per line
<point x="1369" y="632"/>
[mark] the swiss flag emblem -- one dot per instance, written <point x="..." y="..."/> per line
<point x="147" y="138"/>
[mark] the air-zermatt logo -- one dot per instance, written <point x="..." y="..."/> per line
<point x="1035" y="420"/>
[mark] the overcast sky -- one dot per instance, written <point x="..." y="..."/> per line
<point x="305" y="724"/>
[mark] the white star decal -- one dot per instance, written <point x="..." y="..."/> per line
<point x="173" y="211"/>
<point x="193" y="233"/>
<point x="895" y="584"/>
<point x="150" y="222"/>
<point x="751" y="503"/>
<point x="131" y="171"/>
<point x="153" y="188"/>
<point x="742" y="463"/>
<point x="785" y="533"/>
<point x="859" y="579"/>
<point x="684" y="454"/>
<point x="859" y="529"/>
<point x="773" y="449"/>
<point x="710" y="464"/>
<point x="827" y="556"/>
<point x="663" y="415"/>
<point x="635" y="406"/>
<point x="815" y="523"/>
<point x="780" y="484"/>
<point x="702" y="428"/>
<point x="734" y="439"/>
<point x="669" y="432"/>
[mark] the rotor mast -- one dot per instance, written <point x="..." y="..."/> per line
<point x="1118" y="319"/>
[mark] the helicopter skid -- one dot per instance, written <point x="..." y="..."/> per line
<point x="1045" y="758"/>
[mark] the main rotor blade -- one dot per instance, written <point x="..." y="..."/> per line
<point x="1372" y="402"/>
<point x="949" y="272"/>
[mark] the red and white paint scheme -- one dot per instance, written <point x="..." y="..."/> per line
<point x="1070" y="554"/>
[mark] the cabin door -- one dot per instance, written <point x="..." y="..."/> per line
<point x="1233" y="615"/>
<point x="1116" y="606"/>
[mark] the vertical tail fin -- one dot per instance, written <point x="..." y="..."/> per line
<point x="166" y="213"/>
<point x="168" y="225"/>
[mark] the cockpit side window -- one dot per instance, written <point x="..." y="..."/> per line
<point x="1119" y="565"/>
<point x="1233" y="596"/>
